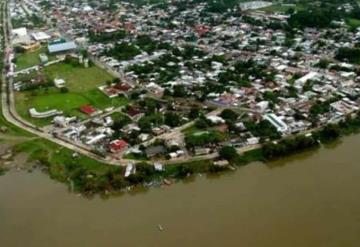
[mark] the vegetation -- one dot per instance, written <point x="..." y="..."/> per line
<point x="107" y="37"/>
<point x="81" y="89"/>
<point x="347" y="54"/>
<point x="89" y="176"/>
<point x="264" y="129"/>
<point x="288" y="146"/>
<point x="228" y="153"/>
<point x="77" y="77"/>
<point x="203" y="139"/>
<point x="29" y="59"/>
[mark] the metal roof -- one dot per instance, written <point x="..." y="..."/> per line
<point x="62" y="47"/>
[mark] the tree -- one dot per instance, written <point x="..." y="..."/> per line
<point x="108" y="83"/>
<point x="64" y="90"/>
<point x="228" y="153"/>
<point x="330" y="132"/>
<point x="229" y="115"/>
<point x="351" y="55"/>
<point x="194" y="112"/>
<point x="172" y="119"/>
<point x="179" y="91"/>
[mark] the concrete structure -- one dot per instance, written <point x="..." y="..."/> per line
<point x="277" y="122"/>
<point x="35" y="114"/>
<point x="40" y="36"/>
<point x="62" y="47"/>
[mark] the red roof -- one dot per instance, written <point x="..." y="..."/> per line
<point x="201" y="29"/>
<point x="128" y="26"/>
<point x="133" y="111"/>
<point x="87" y="109"/>
<point x="122" y="87"/>
<point x="118" y="145"/>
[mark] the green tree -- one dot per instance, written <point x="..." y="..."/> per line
<point x="228" y="153"/>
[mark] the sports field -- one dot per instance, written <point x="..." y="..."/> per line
<point x="82" y="84"/>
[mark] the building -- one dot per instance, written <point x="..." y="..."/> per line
<point x="35" y="114"/>
<point x="87" y="109"/>
<point x="59" y="83"/>
<point x="22" y="31"/>
<point x="117" y="146"/>
<point x="155" y="151"/>
<point x="63" y="47"/>
<point x="40" y="36"/>
<point x="277" y="122"/>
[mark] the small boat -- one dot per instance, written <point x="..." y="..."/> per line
<point x="167" y="182"/>
<point x="160" y="228"/>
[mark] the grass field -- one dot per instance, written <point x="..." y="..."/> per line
<point x="353" y="23"/>
<point x="78" y="78"/>
<point x="30" y="59"/>
<point x="82" y="84"/>
<point x="278" y="8"/>
<point x="59" y="160"/>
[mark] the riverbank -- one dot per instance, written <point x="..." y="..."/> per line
<point x="89" y="177"/>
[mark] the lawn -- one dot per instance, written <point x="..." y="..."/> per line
<point x="279" y="8"/>
<point x="78" y="78"/>
<point x="59" y="160"/>
<point x="69" y="103"/>
<point x="82" y="84"/>
<point x="353" y="23"/>
<point x="30" y="59"/>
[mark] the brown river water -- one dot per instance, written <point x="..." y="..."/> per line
<point x="310" y="199"/>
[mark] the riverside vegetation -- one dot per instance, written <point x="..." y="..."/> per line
<point x="89" y="177"/>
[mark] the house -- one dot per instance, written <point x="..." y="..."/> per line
<point x="62" y="121"/>
<point x="117" y="146"/>
<point x="215" y="119"/>
<point x="253" y="140"/>
<point x="221" y="163"/>
<point x="202" y="151"/>
<point x="135" y="112"/>
<point x="87" y="109"/>
<point x="158" y="167"/>
<point x="59" y="83"/>
<point x="43" y="58"/>
<point x="155" y="151"/>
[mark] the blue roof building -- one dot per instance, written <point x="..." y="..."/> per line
<point x="62" y="47"/>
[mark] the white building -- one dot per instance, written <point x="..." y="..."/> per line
<point x="277" y="122"/>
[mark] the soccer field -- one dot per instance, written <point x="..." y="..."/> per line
<point x="82" y="84"/>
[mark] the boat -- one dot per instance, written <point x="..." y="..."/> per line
<point x="167" y="182"/>
<point x="160" y="228"/>
<point x="130" y="169"/>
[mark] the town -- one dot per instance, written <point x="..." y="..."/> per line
<point x="176" y="81"/>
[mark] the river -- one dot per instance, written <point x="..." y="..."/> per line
<point x="310" y="199"/>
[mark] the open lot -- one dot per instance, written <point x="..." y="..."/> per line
<point x="82" y="84"/>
